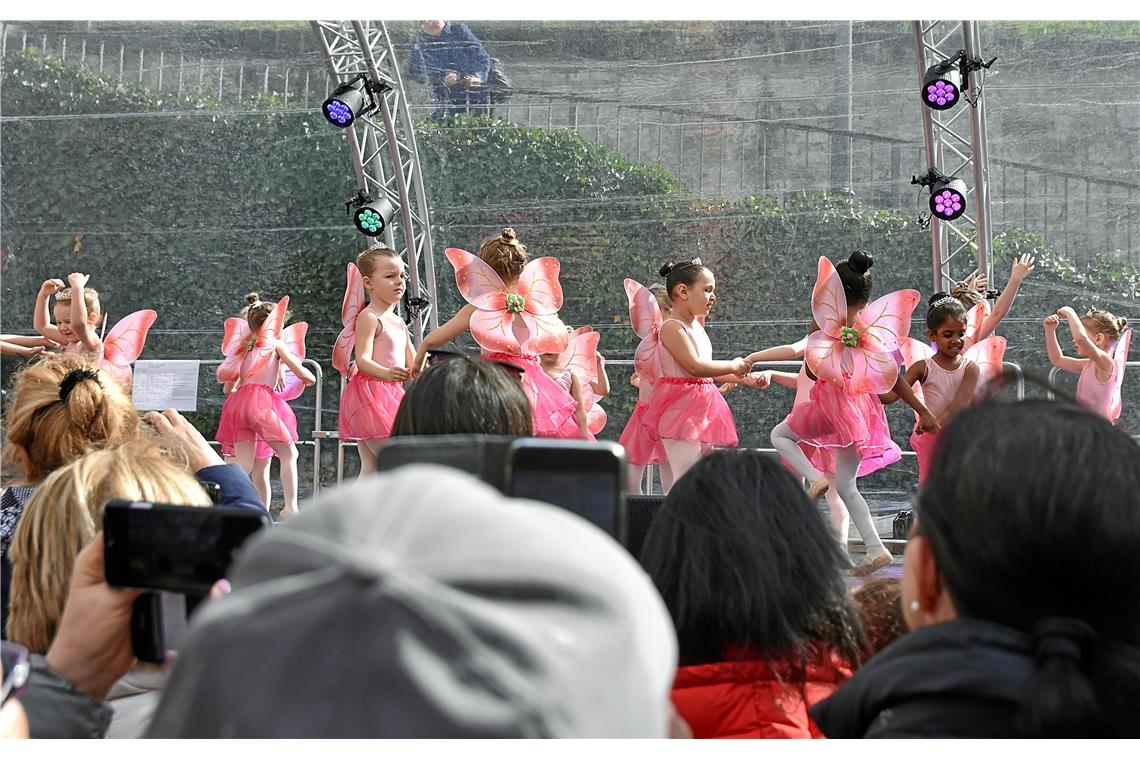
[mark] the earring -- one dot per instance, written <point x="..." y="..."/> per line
<point x="915" y="606"/>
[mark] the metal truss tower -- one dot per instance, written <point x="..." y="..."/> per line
<point x="952" y="153"/>
<point x="384" y="155"/>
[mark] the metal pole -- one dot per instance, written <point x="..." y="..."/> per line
<point x="983" y="224"/>
<point x="937" y="234"/>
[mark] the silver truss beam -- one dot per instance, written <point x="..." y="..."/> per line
<point x="936" y="41"/>
<point x="382" y="147"/>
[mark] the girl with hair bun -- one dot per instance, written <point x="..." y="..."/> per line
<point x="512" y="313"/>
<point x="1102" y="349"/>
<point x="850" y="359"/>
<point x="685" y="410"/>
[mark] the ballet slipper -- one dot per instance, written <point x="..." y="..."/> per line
<point x="869" y="566"/>
<point x="818" y="488"/>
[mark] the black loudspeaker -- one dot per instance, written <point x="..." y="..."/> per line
<point x="901" y="525"/>
<point x="641" y="511"/>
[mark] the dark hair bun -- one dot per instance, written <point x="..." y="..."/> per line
<point x="1121" y="323"/>
<point x="860" y="261"/>
<point x="252" y="298"/>
<point x="667" y="268"/>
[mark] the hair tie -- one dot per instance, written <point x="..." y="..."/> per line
<point x="1062" y="637"/>
<point x="67" y="385"/>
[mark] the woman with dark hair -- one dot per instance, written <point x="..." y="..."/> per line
<point x="1020" y="587"/>
<point x="754" y="583"/>
<point x="464" y="394"/>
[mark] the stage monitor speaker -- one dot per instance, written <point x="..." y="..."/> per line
<point x="641" y="511"/>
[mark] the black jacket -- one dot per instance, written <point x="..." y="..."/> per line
<point x="964" y="678"/>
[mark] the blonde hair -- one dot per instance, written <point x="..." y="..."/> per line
<point x="1105" y="322"/>
<point x="967" y="295"/>
<point x="505" y="254"/>
<point x="90" y="298"/>
<point x="366" y="261"/>
<point x="64" y="514"/>
<point x="62" y="407"/>
<point x="662" y="295"/>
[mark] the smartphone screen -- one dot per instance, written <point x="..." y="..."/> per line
<point x="583" y="478"/>
<point x="171" y="547"/>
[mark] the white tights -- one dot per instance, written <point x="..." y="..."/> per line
<point x="682" y="455"/>
<point x="287" y="455"/>
<point x="637" y="474"/>
<point x="842" y="481"/>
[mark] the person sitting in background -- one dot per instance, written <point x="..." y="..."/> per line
<point x="61" y="518"/>
<point x="460" y="394"/>
<point x="754" y="582"/>
<point x="454" y="64"/>
<point x="881" y="613"/>
<point x="62" y="407"/>
<point x="1019" y="586"/>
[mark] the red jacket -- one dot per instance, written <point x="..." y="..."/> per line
<point x="756" y="698"/>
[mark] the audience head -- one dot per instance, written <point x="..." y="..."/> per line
<point x="464" y="394"/>
<point x="505" y="254"/>
<point x="1029" y="520"/>
<point x="743" y="559"/>
<point x="855" y="274"/>
<point x="433" y="28"/>
<point x="423" y="603"/>
<point x="64" y="514"/>
<point x="62" y="406"/>
<point x="880" y="611"/>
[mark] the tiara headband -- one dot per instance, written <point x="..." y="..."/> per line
<point x="942" y="300"/>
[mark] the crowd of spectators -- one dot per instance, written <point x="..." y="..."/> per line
<point x="422" y="602"/>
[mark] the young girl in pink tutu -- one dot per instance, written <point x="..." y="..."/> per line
<point x="512" y="313"/>
<point x="648" y="308"/>
<point x="262" y="453"/>
<point x="255" y="347"/>
<point x="383" y="350"/>
<point x="850" y="359"/>
<point x="685" y="410"/>
<point x="1102" y="350"/>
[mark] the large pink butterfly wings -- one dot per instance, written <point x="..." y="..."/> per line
<point x="350" y="309"/>
<point x="858" y="356"/>
<point x="294" y="339"/>
<point x="125" y="342"/>
<point x="580" y="357"/>
<point x="1119" y="357"/>
<point x="522" y="319"/>
<point x="646" y="318"/>
<point x="239" y="344"/>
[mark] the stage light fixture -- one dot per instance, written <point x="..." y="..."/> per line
<point x="371" y="216"/>
<point x="351" y="99"/>
<point x="947" y="194"/>
<point x="946" y="82"/>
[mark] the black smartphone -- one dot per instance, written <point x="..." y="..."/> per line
<point x="159" y="620"/>
<point x="583" y="477"/>
<point x="484" y="456"/>
<point x="169" y="547"/>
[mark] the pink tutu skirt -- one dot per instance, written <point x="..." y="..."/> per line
<point x="368" y="408"/>
<point x="640" y="449"/>
<point x="834" y="419"/>
<point x="689" y="409"/>
<point x="552" y="408"/>
<point x="256" y="413"/>
<point x="924" y="445"/>
<point x="225" y="434"/>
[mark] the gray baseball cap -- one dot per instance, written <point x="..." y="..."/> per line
<point x="424" y="603"/>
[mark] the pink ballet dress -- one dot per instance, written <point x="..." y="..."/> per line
<point x="640" y="448"/>
<point x="551" y="406"/>
<point x="225" y="434"/>
<point x="254" y="411"/>
<point x="939" y="386"/>
<point x="1098" y="396"/>
<point x="368" y="405"/>
<point x="686" y="408"/>
<point x="834" y="418"/>
<point x="566" y="383"/>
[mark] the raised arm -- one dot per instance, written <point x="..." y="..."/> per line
<point x="79" y="324"/>
<point x="1056" y="355"/>
<point x="41" y="317"/>
<point x="1102" y="359"/>
<point x="442" y="335"/>
<point x="366" y="324"/>
<point x="1021" y="269"/>
<point x="677" y="343"/>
